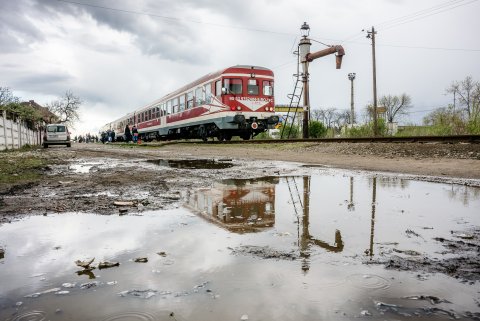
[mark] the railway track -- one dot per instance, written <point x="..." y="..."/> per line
<point x="411" y="139"/>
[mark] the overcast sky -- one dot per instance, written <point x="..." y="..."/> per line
<point x="118" y="55"/>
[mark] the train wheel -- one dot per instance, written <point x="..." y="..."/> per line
<point x="246" y="136"/>
<point x="223" y="136"/>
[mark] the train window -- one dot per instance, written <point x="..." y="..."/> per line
<point x="218" y="88"/>
<point x="142" y="118"/>
<point x="163" y="111"/>
<point x="233" y="85"/>
<point x="182" y="102"/>
<point x="268" y="88"/>
<point x="208" y="93"/>
<point x="199" y="96"/>
<point x="252" y="87"/>
<point x="157" y="111"/>
<point x="190" y="99"/>
<point x="175" y="105"/>
<point x="169" y="107"/>
<point x="149" y="114"/>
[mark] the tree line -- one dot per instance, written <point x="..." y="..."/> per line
<point x="63" y="110"/>
<point x="460" y="117"/>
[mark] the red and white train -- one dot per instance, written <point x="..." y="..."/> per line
<point x="236" y="101"/>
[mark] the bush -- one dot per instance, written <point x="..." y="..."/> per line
<point x="367" y="130"/>
<point x="290" y="131"/>
<point x="316" y="129"/>
<point x="473" y="126"/>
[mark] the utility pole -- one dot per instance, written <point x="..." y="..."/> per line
<point x="351" y="76"/>
<point x="371" y="35"/>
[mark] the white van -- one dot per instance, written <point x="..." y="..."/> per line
<point x="56" y="134"/>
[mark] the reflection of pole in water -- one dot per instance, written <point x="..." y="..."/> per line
<point x="351" y="205"/>
<point x="372" y="226"/>
<point x="304" y="250"/>
<point x="306" y="238"/>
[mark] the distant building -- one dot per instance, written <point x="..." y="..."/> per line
<point x="47" y="116"/>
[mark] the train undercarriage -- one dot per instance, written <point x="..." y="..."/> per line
<point x="238" y="126"/>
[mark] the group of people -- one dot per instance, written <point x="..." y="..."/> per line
<point x="108" y="136"/>
<point x="130" y="135"/>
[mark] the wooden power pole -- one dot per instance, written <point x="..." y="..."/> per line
<point x="371" y="35"/>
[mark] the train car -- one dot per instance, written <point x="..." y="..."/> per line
<point x="235" y="101"/>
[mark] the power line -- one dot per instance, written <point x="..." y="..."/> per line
<point x="418" y="13"/>
<point x="449" y="5"/>
<point x="428" y="15"/>
<point x="257" y="29"/>
<point x="153" y="15"/>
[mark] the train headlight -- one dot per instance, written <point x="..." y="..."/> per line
<point x="239" y="108"/>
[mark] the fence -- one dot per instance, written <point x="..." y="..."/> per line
<point x="16" y="133"/>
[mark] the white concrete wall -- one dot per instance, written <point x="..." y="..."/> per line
<point x="15" y="134"/>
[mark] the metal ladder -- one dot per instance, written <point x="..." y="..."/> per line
<point x="295" y="98"/>
<point x="295" y="196"/>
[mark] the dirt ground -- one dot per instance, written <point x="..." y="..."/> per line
<point x="90" y="177"/>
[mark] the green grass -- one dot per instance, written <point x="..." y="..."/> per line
<point x="18" y="167"/>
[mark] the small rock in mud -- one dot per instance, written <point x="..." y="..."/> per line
<point x="264" y="252"/>
<point x="141" y="260"/>
<point x="431" y="298"/>
<point x="123" y="203"/>
<point x="407" y="252"/>
<point x="162" y="253"/>
<point x="106" y="265"/>
<point x="88" y="285"/>
<point x="143" y="294"/>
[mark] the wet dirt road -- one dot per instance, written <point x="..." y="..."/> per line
<point x="229" y="238"/>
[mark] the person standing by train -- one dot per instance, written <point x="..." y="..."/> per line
<point x="135" y="134"/>
<point x="128" y="134"/>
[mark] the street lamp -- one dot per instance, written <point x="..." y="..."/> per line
<point x="351" y="76"/>
<point x="305" y="30"/>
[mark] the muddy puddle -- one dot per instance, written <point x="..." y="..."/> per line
<point x="193" y="163"/>
<point x="328" y="246"/>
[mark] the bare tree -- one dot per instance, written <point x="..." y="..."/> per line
<point x="329" y="115"/>
<point x="318" y="115"/>
<point x="395" y="106"/>
<point x="66" y="108"/>
<point x="342" y="117"/>
<point x="468" y="92"/>
<point x="6" y="97"/>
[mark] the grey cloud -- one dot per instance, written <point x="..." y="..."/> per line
<point x="164" y="30"/>
<point x="40" y="82"/>
<point x="160" y="27"/>
<point x="15" y="29"/>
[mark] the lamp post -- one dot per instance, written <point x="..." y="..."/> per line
<point x="351" y="76"/>
<point x="304" y="50"/>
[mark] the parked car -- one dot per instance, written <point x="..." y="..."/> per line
<point x="56" y="134"/>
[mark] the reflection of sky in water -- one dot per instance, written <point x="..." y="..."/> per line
<point x="40" y="252"/>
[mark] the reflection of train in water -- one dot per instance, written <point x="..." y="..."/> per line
<point x="236" y="101"/>
<point x="241" y="205"/>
